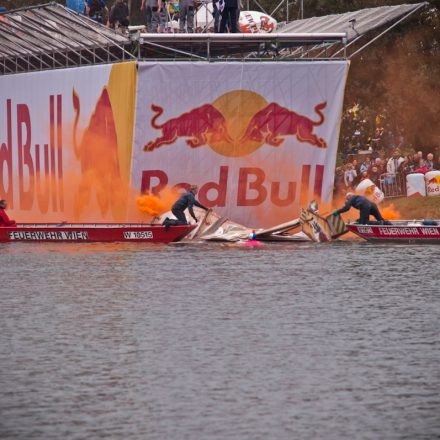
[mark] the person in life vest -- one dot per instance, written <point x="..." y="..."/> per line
<point x="4" y="219"/>
<point x="365" y="206"/>
<point x="188" y="200"/>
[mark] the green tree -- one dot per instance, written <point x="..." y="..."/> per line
<point x="400" y="72"/>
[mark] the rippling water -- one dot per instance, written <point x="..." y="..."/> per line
<point x="303" y="341"/>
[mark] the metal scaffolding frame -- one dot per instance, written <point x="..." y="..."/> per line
<point x="358" y="25"/>
<point x="51" y="36"/>
<point x="231" y="47"/>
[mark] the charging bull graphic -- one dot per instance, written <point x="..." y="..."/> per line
<point x="434" y="180"/>
<point x="273" y="123"/>
<point x="201" y="125"/>
<point x="98" y="155"/>
<point x="236" y="124"/>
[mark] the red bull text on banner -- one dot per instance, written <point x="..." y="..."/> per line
<point x="259" y="139"/>
<point x="72" y="130"/>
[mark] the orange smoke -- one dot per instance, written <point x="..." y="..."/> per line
<point x="391" y="213"/>
<point x="98" y="156"/>
<point x="156" y="205"/>
<point x="285" y="185"/>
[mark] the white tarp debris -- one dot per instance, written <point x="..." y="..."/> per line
<point x="213" y="227"/>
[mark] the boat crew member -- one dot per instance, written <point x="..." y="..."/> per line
<point x="365" y="206"/>
<point x="4" y="219"/>
<point x="188" y="200"/>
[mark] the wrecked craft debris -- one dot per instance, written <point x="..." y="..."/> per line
<point x="310" y="226"/>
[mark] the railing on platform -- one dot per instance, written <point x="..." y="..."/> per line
<point x="243" y="47"/>
<point x="393" y="185"/>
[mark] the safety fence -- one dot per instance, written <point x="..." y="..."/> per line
<point x="413" y="184"/>
<point x="393" y="185"/>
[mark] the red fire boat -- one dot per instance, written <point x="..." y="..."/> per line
<point x="399" y="231"/>
<point x="93" y="232"/>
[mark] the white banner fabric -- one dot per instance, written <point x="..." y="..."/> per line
<point x="260" y="139"/>
<point x="65" y="143"/>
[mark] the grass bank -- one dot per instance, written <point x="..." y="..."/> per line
<point x="414" y="207"/>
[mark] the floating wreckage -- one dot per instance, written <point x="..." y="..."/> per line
<point x="310" y="226"/>
<point x="321" y="229"/>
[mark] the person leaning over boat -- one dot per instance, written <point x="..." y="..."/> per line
<point x="188" y="200"/>
<point x="4" y="219"/>
<point x="365" y="206"/>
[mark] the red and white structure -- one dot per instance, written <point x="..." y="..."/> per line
<point x="399" y="231"/>
<point x="93" y="232"/>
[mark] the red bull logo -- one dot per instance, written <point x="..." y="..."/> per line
<point x="236" y="124"/>
<point x="370" y="190"/>
<point x="433" y="185"/>
<point x="199" y="125"/>
<point x="249" y="25"/>
<point x="434" y="181"/>
<point x="272" y="124"/>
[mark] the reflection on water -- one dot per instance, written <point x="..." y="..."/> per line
<point x="301" y="341"/>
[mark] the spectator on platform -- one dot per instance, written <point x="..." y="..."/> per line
<point x="363" y="176"/>
<point x="355" y="164"/>
<point x="374" y="175"/>
<point x="406" y="166"/>
<point x="376" y="140"/>
<point x="163" y="17"/>
<point x="152" y="9"/>
<point x="97" y="10"/>
<point x="228" y="24"/>
<point x="394" y="162"/>
<point x="349" y="176"/>
<point x="365" y="165"/>
<point x="119" y="14"/>
<point x="230" y="16"/>
<point x="415" y="161"/>
<point x="422" y="168"/>
<point x="429" y="162"/>
<point x="216" y="14"/>
<point x="380" y="165"/>
<point x="186" y="16"/>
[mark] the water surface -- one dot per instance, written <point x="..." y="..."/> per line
<point x="301" y="341"/>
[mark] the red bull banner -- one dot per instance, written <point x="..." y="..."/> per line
<point x="260" y="139"/>
<point x="66" y="142"/>
<point x="432" y="179"/>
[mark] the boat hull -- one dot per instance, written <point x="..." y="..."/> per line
<point x="398" y="232"/>
<point x="93" y="232"/>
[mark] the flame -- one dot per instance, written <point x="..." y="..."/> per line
<point x="156" y="205"/>
<point x="391" y="213"/>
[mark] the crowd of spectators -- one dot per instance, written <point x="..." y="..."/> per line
<point x="160" y="13"/>
<point x="371" y="149"/>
